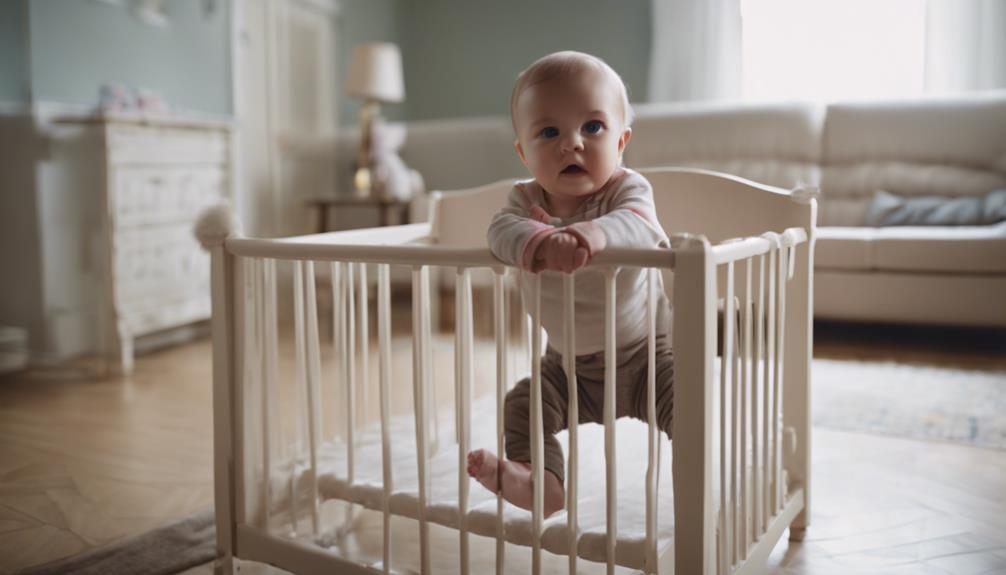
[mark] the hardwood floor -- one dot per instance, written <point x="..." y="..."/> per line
<point x="85" y="461"/>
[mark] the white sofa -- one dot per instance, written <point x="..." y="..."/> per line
<point x="943" y="147"/>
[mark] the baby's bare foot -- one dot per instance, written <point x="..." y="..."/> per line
<point x="482" y="466"/>
<point x="518" y="487"/>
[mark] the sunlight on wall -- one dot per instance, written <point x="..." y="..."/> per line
<point x="833" y="49"/>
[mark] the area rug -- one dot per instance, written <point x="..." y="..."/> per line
<point x="915" y="401"/>
<point x="169" y="549"/>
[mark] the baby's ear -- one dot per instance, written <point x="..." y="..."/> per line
<point x="624" y="140"/>
<point x="520" y="151"/>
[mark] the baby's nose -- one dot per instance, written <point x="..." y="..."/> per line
<point x="572" y="143"/>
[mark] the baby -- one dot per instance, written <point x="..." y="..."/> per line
<point x="571" y="115"/>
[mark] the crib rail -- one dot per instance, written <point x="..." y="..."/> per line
<point x="732" y="434"/>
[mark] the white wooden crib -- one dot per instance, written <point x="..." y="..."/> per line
<point x="739" y="460"/>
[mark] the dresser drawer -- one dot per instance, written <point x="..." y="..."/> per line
<point x="155" y="265"/>
<point x="153" y="195"/>
<point x="129" y="144"/>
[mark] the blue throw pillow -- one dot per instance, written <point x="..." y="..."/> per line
<point x="889" y="209"/>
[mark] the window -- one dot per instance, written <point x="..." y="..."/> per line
<point x="833" y="49"/>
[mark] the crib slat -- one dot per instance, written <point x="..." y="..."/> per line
<point x="537" y="435"/>
<point x="261" y="363"/>
<point x="429" y="389"/>
<point x="780" y="373"/>
<point x="463" y="382"/>
<point x="364" y="323"/>
<point x="499" y="311"/>
<point x="252" y="371"/>
<point x="573" y="420"/>
<point x="350" y="359"/>
<point x="722" y="531"/>
<point x="747" y="426"/>
<point x="652" y="466"/>
<point x="301" y="378"/>
<point x="313" y="388"/>
<point x="418" y="389"/>
<point x="776" y="373"/>
<point x="430" y="393"/>
<point x="246" y="380"/>
<point x="525" y="329"/>
<point x="736" y="437"/>
<point x="271" y="375"/>
<point x="770" y="367"/>
<point x="759" y="381"/>
<point x="384" y="350"/>
<point x="338" y="335"/>
<point x="610" y="457"/>
<point x="304" y="384"/>
<point x="344" y="330"/>
<point x="730" y="411"/>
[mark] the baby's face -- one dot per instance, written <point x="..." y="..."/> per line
<point x="571" y="133"/>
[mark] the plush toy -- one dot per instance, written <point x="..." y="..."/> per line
<point x="390" y="177"/>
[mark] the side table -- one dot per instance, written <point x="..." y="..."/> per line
<point x="385" y="208"/>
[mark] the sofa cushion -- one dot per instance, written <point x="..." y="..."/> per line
<point x="844" y="248"/>
<point x="968" y="249"/>
<point x="925" y="147"/>
<point x="458" y="154"/>
<point x="776" y="144"/>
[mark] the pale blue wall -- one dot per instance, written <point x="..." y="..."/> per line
<point x="365" y="21"/>
<point x="461" y="56"/>
<point x="77" y="45"/>
<point x="12" y="78"/>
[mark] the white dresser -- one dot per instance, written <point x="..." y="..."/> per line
<point x="158" y="176"/>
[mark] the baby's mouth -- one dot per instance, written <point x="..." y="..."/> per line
<point x="573" y="169"/>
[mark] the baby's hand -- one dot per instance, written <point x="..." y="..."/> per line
<point x="560" y="252"/>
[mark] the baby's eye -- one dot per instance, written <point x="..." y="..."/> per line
<point x="549" y="132"/>
<point x="593" y="127"/>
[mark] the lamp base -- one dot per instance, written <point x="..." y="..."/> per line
<point x="362" y="182"/>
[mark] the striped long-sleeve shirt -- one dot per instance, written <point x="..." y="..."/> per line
<point x="623" y="210"/>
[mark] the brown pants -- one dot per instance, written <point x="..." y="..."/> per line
<point x="630" y="398"/>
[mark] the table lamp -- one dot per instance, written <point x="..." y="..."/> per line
<point x="375" y="75"/>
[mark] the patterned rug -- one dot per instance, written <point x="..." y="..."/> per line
<point x="920" y="402"/>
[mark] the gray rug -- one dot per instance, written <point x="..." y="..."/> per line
<point x="169" y="549"/>
<point x="921" y="402"/>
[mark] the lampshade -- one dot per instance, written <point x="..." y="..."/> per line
<point x="375" y="72"/>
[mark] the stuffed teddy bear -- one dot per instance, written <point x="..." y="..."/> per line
<point x="390" y="177"/>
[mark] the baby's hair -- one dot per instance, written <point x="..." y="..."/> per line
<point x="561" y="65"/>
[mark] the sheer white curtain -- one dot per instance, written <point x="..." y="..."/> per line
<point x="965" y="45"/>
<point x="825" y="49"/>
<point x="696" y="51"/>
<point x="821" y="50"/>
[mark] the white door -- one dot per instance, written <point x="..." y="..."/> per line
<point x="285" y="99"/>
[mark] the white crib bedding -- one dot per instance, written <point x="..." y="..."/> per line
<point x="442" y="497"/>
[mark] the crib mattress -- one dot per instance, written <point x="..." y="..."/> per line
<point x="442" y="495"/>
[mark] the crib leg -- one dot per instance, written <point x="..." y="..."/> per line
<point x="797" y="533"/>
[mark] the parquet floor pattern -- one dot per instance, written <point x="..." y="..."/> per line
<point x="87" y="460"/>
